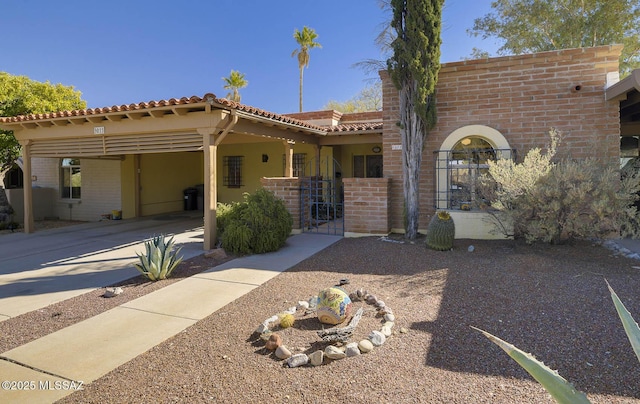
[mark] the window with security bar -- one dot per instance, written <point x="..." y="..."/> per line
<point x="299" y="162"/>
<point x="459" y="170"/>
<point x="232" y="171"/>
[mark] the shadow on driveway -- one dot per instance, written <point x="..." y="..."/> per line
<point x="42" y="268"/>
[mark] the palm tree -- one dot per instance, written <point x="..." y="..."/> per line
<point x="306" y="40"/>
<point x="234" y="82"/>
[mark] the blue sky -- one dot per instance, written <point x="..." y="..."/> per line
<point x="129" y="51"/>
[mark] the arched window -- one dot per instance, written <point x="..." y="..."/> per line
<point x="460" y="163"/>
<point x="13" y="177"/>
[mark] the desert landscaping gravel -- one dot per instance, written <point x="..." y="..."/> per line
<point x="548" y="300"/>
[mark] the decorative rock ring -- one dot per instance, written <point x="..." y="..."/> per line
<point x="332" y="306"/>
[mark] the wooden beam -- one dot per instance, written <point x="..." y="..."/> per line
<point x="180" y="111"/>
<point x="77" y="121"/>
<point x="115" y="118"/>
<point x="275" y="132"/>
<point x="157" y="113"/>
<point x="136" y="115"/>
<point x="630" y="129"/>
<point x="95" y="119"/>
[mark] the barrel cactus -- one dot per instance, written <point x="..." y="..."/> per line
<point x="441" y="232"/>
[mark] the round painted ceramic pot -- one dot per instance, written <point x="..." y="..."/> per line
<point x="334" y="306"/>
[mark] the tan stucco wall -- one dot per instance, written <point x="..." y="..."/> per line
<point x="348" y="151"/>
<point x="164" y="177"/>
<point x="254" y="169"/>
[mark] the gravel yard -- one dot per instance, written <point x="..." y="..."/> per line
<point x="548" y="300"/>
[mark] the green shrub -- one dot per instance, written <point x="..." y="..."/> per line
<point x="159" y="260"/>
<point x="259" y="224"/>
<point x="227" y="213"/>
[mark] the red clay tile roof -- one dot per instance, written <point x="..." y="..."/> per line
<point x="355" y="127"/>
<point x="222" y="102"/>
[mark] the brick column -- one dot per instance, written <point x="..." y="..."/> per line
<point x="287" y="189"/>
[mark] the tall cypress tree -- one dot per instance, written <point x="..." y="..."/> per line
<point x="414" y="69"/>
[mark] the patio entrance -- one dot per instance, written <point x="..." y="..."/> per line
<point x="321" y="198"/>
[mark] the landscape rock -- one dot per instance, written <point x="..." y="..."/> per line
<point x="316" y="358"/>
<point x="386" y="331"/>
<point x="352" y="349"/>
<point x="333" y="352"/>
<point x="275" y="340"/>
<point x="113" y="292"/>
<point x="377" y="338"/>
<point x="297" y="360"/>
<point x="389" y="317"/>
<point x="365" y="346"/>
<point x="313" y="302"/>
<point x="282" y="352"/>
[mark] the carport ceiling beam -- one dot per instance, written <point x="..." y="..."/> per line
<point x="282" y="133"/>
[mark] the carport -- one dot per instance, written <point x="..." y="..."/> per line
<point x="175" y="125"/>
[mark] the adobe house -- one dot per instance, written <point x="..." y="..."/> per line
<point x="503" y="107"/>
<point x="139" y="159"/>
<point x="329" y="167"/>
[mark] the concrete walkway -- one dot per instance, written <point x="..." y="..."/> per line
<point x="57" y="364"/>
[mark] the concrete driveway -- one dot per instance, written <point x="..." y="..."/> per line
<point x="48" y="266"/>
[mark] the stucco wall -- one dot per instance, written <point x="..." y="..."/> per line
<point x="254" y="168"/>
<point x="521" y="97"/>
<point x="164" y="177"/>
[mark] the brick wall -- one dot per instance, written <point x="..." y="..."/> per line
<point x="366" y="205"/>
<point x="101" y="189"/>
<point x="522" y="97"/>
<point x="287" y="189"/>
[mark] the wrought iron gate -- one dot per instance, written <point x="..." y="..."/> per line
<point x="321" y="198"/>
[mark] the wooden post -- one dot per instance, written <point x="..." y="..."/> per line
<point x="288" y="157"/>
<point x="27" y="186"/>
<point x="210" y="191"/>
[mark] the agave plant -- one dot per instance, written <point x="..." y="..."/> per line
<point x="561" y="390"/>
<point x="159" y="260"/>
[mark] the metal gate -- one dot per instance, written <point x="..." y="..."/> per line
<point x="321" y="198"/>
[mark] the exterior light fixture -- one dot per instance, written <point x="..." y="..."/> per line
<point x="376" y="149"/>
